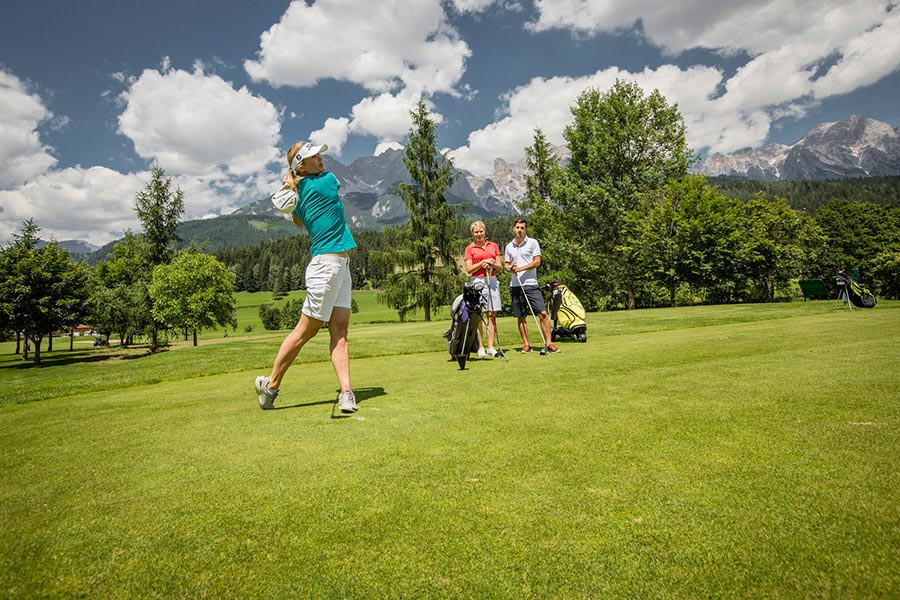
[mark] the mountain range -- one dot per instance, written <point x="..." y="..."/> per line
<point x="854" y="147"/>
<point x="368" y="190"/>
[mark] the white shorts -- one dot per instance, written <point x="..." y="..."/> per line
<point x="492" y="303"/>
<point x="328" y="286"/>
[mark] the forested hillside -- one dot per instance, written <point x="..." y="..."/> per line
<point x="279" y="265"/>
<point x="810" y="195"/>
<point x="234" y="231"/>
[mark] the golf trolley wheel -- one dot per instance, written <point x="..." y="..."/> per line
<point x="552" y="336"/>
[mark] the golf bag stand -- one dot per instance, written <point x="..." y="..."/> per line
<point x="854" y="293"/>
<point x="462" y="337"/>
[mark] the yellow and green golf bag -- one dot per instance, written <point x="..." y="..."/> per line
<point x="567" y="313"/>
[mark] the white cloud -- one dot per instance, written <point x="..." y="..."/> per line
<point x="22" y="155"/>
<point x="790" y="45"/>
<point x="198" y="124"/>
<point x="93" y="204"/>
<point x="379" y="45"/>
<point x="334" y="134"/>
<point x="784" y="38"/>
<point x="97" y="204"/>
<point x="386" y="116"/>
<point x="865" y="59"/>
<point x="472" y="5"/>
<point x="756" y="26"/>
<point x="545" y="104"/>
<point x="214" y="141"/>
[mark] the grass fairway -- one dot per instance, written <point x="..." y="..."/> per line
<point x="706" y="452"/>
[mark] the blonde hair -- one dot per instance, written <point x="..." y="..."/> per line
<point x="476" y="224"/>
<point x="291" y="153"/>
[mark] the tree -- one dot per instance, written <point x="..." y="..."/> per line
<point x="120" y="302"/>
<point x="691" y="238"/>
<point x="270" y="316"/>
<point x="426" y="274"/>
<point x="780" y="244"/>
<point x="542" y="164"/>
<point x="41" y="289"/>
<point x="625" y="148"/>
<point x="158" y="209"/>
<point x="886" y="275"/>
<point x="857" y="233"/>
<point x="194" y="292"/>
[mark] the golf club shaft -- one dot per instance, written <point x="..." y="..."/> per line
<point x="531" y="310"/>
<point x="487" y="325"/>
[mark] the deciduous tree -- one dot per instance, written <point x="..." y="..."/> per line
<point x="625" y="147"/>
<point x="194" y="292"/>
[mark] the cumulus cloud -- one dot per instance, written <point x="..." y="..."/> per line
<point x="385" y="117"/>
<point x="755" y="26"/>
<point x="196" y="124"/>
<point x="785" y="39"/>
<point x="22" y="155"/>
<point x="94" y="204"/>
<point x="545" y="103"/>
<point x="798" y="53"/>
<point x="381" y="46"/>
<point x="97" y="204"/>
<point x="334" y="134"/>
<point x="216" y="142"/>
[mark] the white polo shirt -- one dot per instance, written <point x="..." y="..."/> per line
<point x="520" y="256"/>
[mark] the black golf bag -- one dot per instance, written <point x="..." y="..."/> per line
<point x="854" y="292"/>
<point x="567" y="313"/>
<point x="462" y="337"/>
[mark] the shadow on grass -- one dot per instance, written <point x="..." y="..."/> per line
<point x="49" y="360"/>
<point x="362" y="394"/>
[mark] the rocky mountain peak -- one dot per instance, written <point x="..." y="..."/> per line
<point x="854" y="147"/>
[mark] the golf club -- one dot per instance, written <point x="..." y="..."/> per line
<point x="531" y="310"/>
<point x="491" y="309"/>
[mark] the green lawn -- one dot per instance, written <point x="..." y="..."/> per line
<point x="705" y="452"/>
<point x="370" y="311"/>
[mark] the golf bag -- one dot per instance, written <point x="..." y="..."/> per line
<point x="462" y="337"/>
<point x="854" y="292"/>
<point x="567" y="313"/>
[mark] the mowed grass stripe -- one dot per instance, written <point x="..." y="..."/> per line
<point x="747" y="460"/>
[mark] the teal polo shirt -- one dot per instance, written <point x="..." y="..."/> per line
<point x="320" y="210"/>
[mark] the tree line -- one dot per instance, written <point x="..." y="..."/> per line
<point x="145" y="287"/>
<point x="626" y="226"/>
<point x="810" y="195"/>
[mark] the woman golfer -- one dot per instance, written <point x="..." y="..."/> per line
<point x="482" y="264"/>
<point x="320" y="210"/>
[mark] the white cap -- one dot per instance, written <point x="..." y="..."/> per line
<point x="307" y="150"/>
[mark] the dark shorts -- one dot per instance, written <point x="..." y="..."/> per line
<point x="520" y="307"/>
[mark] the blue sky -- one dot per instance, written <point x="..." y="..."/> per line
<point x="92" y="92"/>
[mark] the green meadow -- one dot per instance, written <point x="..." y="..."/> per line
<point x="743" y="451"/>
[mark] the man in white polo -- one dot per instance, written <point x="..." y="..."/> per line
<point x="522" y="258"/>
